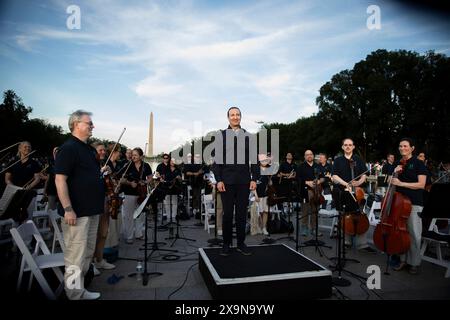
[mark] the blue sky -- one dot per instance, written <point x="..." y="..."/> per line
<point x="188" y="61"/>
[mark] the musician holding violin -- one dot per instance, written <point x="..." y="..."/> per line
<point x="410" y="182"/>
<point x="345" y="169"/>
<point x="111" y="167"/>
<point x="310" y="177"/>
<point x="134" y="186"/>
<point x="24" y="173"/>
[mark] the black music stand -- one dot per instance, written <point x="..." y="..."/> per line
<point x="289" y="237"/>
<point x="215" y="241"/>
<point x="177" y="223"/>
<point x="155" y="196"/>
<point x="315" y="242"/>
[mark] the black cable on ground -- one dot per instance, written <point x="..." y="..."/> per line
<point x="184" y="282"/>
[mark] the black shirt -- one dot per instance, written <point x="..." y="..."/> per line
<point x="193" y="180"/>
<point x="22" y="173"/>
<point x="174" y="186"/>
<point x="306" y="172"/>
<point x="325" y="170"/>
<point x="78" y="161"/>
<point x="388" y="169"/>
<point x="341" y="168"/>
<point x="410" y="173"/>
<point x="262" y="182"/>
<point x="135" y="175"/>
<point x="286" y="167"/>
<point x="235" y="172"/>
<point x="162" y="168"/>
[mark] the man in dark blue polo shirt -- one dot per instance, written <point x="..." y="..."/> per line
<point x="235" y="175"/>
<point x="81" y="191"/>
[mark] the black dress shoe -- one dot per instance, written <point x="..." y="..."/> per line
<point x="244" y="249"/>
<point x="225" y="251"/>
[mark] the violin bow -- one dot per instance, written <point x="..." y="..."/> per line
<point x="127" y="167"/>
<point x="13" y="145"/>
<point x="29" y="182"/>
<point x="114" y="148"/>
<point x="28" y="155"/>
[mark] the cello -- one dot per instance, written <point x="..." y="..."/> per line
<point x="391" y="234"/>
<point x="355" y="223"/>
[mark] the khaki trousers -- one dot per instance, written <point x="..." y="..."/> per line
<point x="80" y="245"/>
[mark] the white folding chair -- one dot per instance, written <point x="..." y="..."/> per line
<point x="40" y="213"/>
<point x="437" y="238"/>
<point x="327" y="214"/>
<point x="36" y="262"/>
<point x="208" y="207"/>
<point x="55" y="220"/>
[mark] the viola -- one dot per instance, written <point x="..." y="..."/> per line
<point x="391" y="234"/>
<point x="114" y="200"/>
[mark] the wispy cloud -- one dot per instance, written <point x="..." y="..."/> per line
<point x="189" y="60"/>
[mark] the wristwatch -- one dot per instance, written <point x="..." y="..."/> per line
<point x="68" y="209"/>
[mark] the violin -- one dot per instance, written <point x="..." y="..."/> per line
<point x="114" y="200"/>
<point x="391" y="234"/>
<point x="355" y="223"/>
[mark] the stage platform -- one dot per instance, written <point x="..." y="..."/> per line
<point x="271" y="272"/>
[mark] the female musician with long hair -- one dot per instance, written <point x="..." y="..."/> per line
<point x="25" y="173"/>
<point x="411" y="182"/>
<point x="138" y="175"/>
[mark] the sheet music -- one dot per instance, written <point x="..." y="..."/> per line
<point x="139" y="209"/>
<point x="7" y="196"/>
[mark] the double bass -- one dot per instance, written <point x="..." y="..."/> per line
<point x="355" y="223"/>
<point x="391" y="234"/>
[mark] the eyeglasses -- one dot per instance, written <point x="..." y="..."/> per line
<point x="90" y="123"/>
<point x="348" y="145"/>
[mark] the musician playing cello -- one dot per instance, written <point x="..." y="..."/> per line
<point x="411" y="182"/>
<point x="342" y="175"/>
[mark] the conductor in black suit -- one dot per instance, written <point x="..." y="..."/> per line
<point x="236" y="175"/>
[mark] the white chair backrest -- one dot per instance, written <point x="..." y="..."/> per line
<point x="55" y="220"/>
<point x="24" y="234"/>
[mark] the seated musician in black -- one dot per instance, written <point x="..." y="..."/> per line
<point x="172" y="185"/>
<point x="25" y="173"/>
<point x="309" y="173"/>
<point x="133" y="185"/>
<point x="389" y="165"/>
<point x="193" y="174"/>
<point x="342" y="175"/>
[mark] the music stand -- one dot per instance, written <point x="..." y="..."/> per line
<point x="151" y="200"/>
<point x="177" y="223"/>
<point x="315" y="242"/>
<point x="289" y="237"/>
